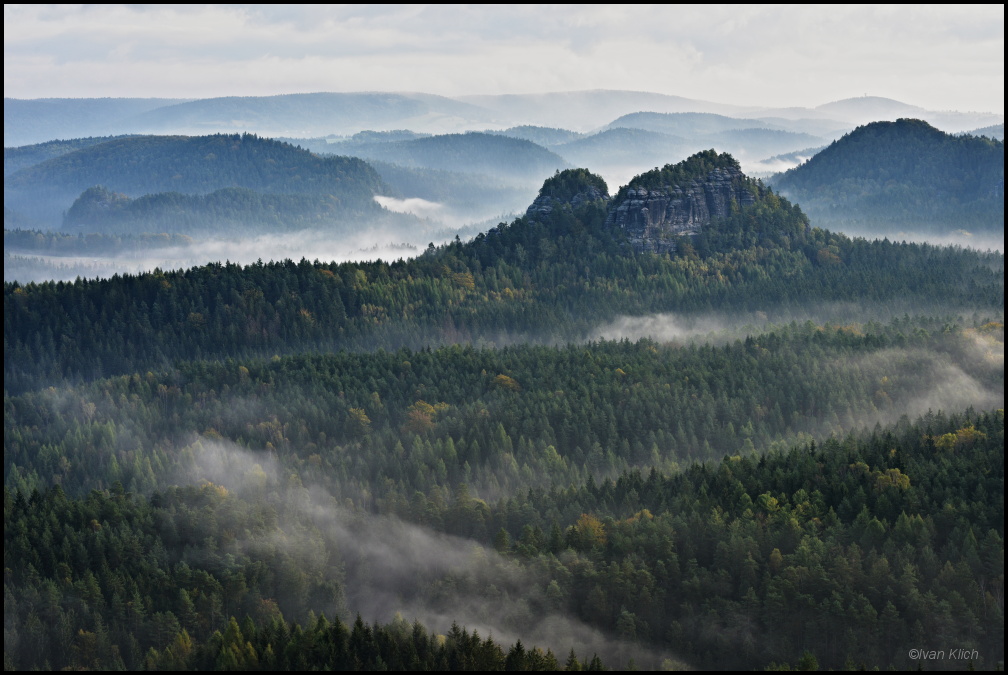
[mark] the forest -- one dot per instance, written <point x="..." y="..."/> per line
<point x="143" y="165"/>
<point x="550" y="280"/>
<point x="474" y="459"/>
<point x="905" y="173"/>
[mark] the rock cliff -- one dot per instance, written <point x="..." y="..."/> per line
<point x="657" y="208"/>
<point x="653" y="217"/>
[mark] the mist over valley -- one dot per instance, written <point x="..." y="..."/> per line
<point x="475" y="338"/>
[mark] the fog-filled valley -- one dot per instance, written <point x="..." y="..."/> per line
<point x="229" y="194"/>
<point x="578" y="380"/>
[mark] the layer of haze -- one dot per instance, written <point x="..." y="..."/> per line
<point x="394" y="568"/>
<point x="942" y="57"/>
<point x="979" y="241"/>
<point x="367" y="243"/>
<point x="968" y="371"/>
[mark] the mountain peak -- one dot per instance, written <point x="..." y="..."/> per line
<point x="569" y="188"/>
<point x="656" y="208"/>
<point x="903" y="173"/>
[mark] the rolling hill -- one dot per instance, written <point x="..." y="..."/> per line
<point x="525" y="433"/>
<point x="515" y="159"/>
<point x="29" y="121"/>
<point x="891" y="176"/>
<point x="196" y="165"/>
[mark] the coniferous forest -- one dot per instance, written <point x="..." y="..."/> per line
<point x="769" y="446"/>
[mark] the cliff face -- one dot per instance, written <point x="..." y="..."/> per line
<point x="651" y="218"/>
<point x="658" y="207"/>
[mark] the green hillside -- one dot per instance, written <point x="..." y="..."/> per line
<point x="558" y="474"/>
<point x="229" y="211"/>
<point x="437" y="463"/>
<point x="142" y="165"/>
<point x="550" y="279"/>
<point x="22" y="157"/>
<point x="903" y="174"/>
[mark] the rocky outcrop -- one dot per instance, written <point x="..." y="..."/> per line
<point x="652" y="219"/>
<point x="545" y="203"/>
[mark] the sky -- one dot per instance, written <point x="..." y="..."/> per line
<point x="937" y="57"/>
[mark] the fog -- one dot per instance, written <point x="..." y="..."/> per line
<point x="392" y="567"/>
<point x="669" y="327"/>
<point x="415" y="205"/>
<point x="913" y="382"/>
<point x="966" y="369"/>
<point x="768" y="167"/>
<point x="362" y="245"/>
<point x="421" y="223"/>
<point x="312" y="245"/>
<point x="979" y="241"/>
<point x="723" y="327"/>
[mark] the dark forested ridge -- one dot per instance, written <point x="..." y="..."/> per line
<point x="845" y="551"/>
<point x="259" y="466"/>
<point x="906" y="174"/>
<point x="96" y="583"/>
<point x="552" y="280"/>
<point x="507" y="415"/>
<point x="234" y="211"/>
<point x="39" y="242"/>
<point x="196" y="165"/>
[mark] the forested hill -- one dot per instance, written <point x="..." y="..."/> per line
<point x="513" y="158"/>
<point x="746" y="138"/>
<point x="904" y="173"/>
<point x="880" y="538"/>
<point x="228" y="211"/>
<point x="142" y="165"/>
<point x="705" y="194"/>
<point x="220" y="467"/>
<point x="24" y="156"/>
<point x="550" y="279"/>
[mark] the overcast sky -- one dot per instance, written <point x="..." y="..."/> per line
<point x="938" y="57"/>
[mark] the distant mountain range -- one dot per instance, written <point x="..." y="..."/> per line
<point x="908" y="174"/>
<point x="28" y="121"/>
<point x="904" y="174"/>
<point x="512" y="158"/>
<point x="321" y="114"/>
<point x="994" y="131"/>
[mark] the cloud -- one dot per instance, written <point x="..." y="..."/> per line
<point x="671" y="328"/>
<point x="395" y="567"/>
<point x="939" y="57"/>
<point x="415" y="205"/>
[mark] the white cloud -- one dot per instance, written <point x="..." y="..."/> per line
<point x="939" y="57"/>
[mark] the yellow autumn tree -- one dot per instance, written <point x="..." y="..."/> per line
<point x="588" y="532"/>
<point x="506" y="382"/>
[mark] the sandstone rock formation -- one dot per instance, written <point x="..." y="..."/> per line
<point x="651" y="219"/>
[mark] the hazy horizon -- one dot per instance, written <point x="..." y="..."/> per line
<point x="936" y="57"/>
